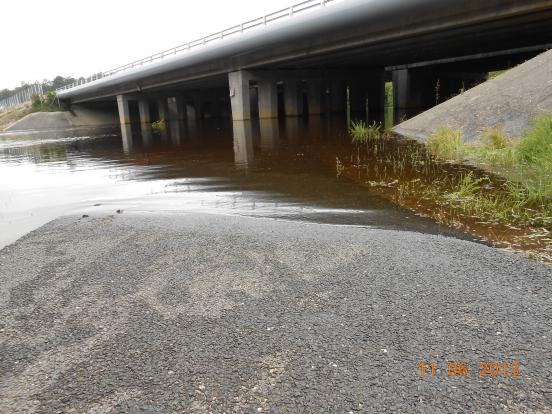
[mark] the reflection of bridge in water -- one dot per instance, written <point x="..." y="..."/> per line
<point x="269" y="132"/>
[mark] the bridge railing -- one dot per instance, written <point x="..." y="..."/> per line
<point x="287" y="12"/>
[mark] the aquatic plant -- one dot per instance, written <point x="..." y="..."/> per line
<point x="389" y="98"/>
<point x="361" y="132"/>
<point x="527" y="160"/>
<point x="159" y="126"/>
<point x="339" y="167"/>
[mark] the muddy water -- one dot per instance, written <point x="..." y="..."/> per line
<point x="275" y="169"/>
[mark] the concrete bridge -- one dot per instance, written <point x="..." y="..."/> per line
<point x="307" y="58"/>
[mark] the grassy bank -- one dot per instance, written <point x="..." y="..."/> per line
<point x="9" y="117"/>
<point x="39" y="103"/>
<point x="499" y="191"/>
<point x="526" y="161"/>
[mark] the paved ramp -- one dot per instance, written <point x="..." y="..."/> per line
<point x="213" y="314"/>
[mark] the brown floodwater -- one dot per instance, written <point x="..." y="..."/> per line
<point x="277" y="169"/>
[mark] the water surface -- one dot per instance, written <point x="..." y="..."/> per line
<point x="279" y="169"/>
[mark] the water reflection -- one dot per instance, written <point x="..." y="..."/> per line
<point x="285" y="169"/>
<point x="270" y="133"/>
<point x="147" y="135"/>
<point x="126" y="138"/>
<point x="243" y="143"/>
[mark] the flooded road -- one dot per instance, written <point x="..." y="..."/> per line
<point x="274" y="169"/>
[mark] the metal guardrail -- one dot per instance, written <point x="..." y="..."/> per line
<point x="231" y="31"/>
<point x="21" y="97"/>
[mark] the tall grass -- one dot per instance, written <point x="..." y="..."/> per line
<point x="446" y="143"/>
<point x="526" y="161"/>
<point x="361" y="133"/>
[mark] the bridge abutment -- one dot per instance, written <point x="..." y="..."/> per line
<point x="417" y="90"/>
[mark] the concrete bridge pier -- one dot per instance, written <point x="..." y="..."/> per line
<point x="144" y="109"/>
<point x="268" y="98"/>
<point x="357" y="95"/>
<point x="243" y="142"/>
<point x="240" y="97"/>
<point x="126" y="136"/>
<point x="195" y="107"/>
<point x="176" y="114"/>
<point x="163" y="109"/>
<point x="314" y="96"/>
<point x="176" y="109"/>
<point x="293" y="98"/>
<point x="124" y="120"/>
<point x="124" y="109"/>
<point x="338" y="96"/>
<point x="191" y="112"/>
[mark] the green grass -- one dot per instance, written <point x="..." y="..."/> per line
<point x="45" y="103"/>
<point x="9" y="117"/>
<point x="496" y="73"/>
<point x="361" y="133"/>
<point x="446" y="143"/>
<point x="525" y="162"/>
<point x="159" y="126"/>
<point x="389" y="100"/>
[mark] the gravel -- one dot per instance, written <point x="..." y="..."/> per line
<point x="129" y="313"/>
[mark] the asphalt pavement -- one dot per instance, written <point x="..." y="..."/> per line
<point x="196" y="313"/>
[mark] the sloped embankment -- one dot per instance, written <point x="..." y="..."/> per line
<point x="510" y="102"/>
<point x="79" y="117"/>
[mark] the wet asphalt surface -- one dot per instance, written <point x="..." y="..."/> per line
<point x="188" y="313"/>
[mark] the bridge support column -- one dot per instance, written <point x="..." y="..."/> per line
<point x="243" y="142"/>
<point x="176" y="108"/>
<point x="240" y="95"/>
<point x="314" y="94"/>
<point x="162" y="108"/>
<point x="195" y="109"/>
<point x="357" y="93"/>
<point x="124" y="110"/>
<point x="268" y="98"/>
<point x="292" y="101"/>
<point x="191" y="112"/>
<point x="144" y="109"/>
<point x="338" y="96"/>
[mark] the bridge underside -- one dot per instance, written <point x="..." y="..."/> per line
<point x="429" y="55"/>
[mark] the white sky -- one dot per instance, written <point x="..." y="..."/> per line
<point x="42" y="39"/>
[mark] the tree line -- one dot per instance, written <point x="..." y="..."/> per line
<point x="47" y="85"/>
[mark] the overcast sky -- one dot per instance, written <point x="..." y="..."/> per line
<point x="42" y="39"/>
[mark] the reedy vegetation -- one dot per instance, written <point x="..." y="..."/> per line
<point x="435" y="181"/>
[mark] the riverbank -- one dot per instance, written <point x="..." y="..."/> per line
<point x="208" y="313"/>
<point x="12" y="116"/>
